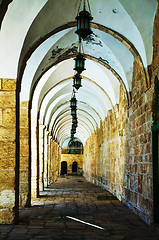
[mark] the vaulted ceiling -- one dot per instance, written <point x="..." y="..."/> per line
<point x="38" y="44"/>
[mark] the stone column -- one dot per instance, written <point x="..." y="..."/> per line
<point x="45" y="175"/>
<point x="41" y="147"/>
<point x="33" y="154"/>
<point x="24" y="156"/>
<point x="49" y="159"/>
<point x="7" y="150"/>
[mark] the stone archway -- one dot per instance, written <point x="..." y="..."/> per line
<point x="63" y="168"/>
<point x="74" y="167"/>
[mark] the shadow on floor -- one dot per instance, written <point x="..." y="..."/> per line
<point x="70" y="210"/>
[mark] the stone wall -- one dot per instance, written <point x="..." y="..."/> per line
<point x="118" y="156"/>
<point x="138" y="189"/>
<point x="70" y="158"/>
<point x="7" y="149"/>
<point x="24" y="156"/>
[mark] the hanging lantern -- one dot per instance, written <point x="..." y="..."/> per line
<point x="73" y="131"/>
<point x="73" y="112"/>
<point x="74" y="125"/>
<point x="77" y="81"/>
<point x="83" y="23"/>
<point x="74" y="120"/>
<point x="73" y="102"/>
<point x="79" y="63"/>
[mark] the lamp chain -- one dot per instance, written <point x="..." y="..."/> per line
<point x="89" y="6"/>
<point x="84" y="4"/>
<point x="79" y="44"/>
<point x="79" y="7"/>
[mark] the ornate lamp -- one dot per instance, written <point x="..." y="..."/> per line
<point x="73" y="112"/>
<point x="79" y="63"/>
<point x="73" y="131"/>
<point x="74" y="125"/>
<point x="73" y="101"/>
<point x="83" y="22"/>
<point x="74" y="120"/>
<point x="77" y="81"/>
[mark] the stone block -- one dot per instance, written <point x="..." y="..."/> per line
<point x="1" y="116"/>
<point x="9" y="149"/>
<point x="24" y="150"/>
<point x="1" y="81"/>
<point x="23" y="175"/>
<point x="24" y="122"/>
<point x="9" y="117"/>
<point x="7" y="134"/>
<point x="9" y="84"/>
<point x="24" y="141"/>
<point x="6" y="216"/>
<point x="140" y="181"/>
<point x="7" y="179"/>
<point x="24" y="162"/>
<point x="24" y="187"/>
<point x="7" y="99"/>
<point x="1" y="149"/>
<point x="24" y="132"/>
<point x="7" y="163"/>
<point x="7" y="198"/>
<point x="141" y="203"/>
<point x="23" y="200"/>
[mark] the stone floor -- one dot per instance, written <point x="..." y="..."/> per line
<point x="56" y="215"/>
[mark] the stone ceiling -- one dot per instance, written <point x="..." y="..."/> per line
<point x="38" y="44"/>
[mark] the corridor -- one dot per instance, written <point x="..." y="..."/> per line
<point x="56" y="215"/>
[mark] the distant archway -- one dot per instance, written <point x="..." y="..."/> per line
<point x="63" y="168"/>
<point x="74" y="167"/>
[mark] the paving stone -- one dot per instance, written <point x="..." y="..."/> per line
<point x="46" y="219"/>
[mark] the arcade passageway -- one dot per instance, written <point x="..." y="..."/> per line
<point x="56" y="214"/>
<point x="79" y="99"/>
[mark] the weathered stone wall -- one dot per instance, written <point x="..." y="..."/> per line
<point x="7" y="149"/>
<point x="24" y="156"/>
<point x="118" y="156"/>
<point x="138" y="189"/>
<point x="105" y="153"/>
<point x="70" y="158"/>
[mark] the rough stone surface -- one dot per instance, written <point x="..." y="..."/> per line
<point x="24" y="156"/>
<point x="118" y="156"/>
<point x="54" y="153"/>
<point x="7" y="150"/>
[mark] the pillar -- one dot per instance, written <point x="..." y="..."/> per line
<point x="24" y="156"/>
<point x="7" y="150"/>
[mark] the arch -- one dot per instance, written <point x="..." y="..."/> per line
<point x="63" y="167"/>
<point x="74" y="167"/>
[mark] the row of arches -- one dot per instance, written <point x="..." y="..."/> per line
<point x="42" y="62"/>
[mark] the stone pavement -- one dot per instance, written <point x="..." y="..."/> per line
<point x="50" y="217"/>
